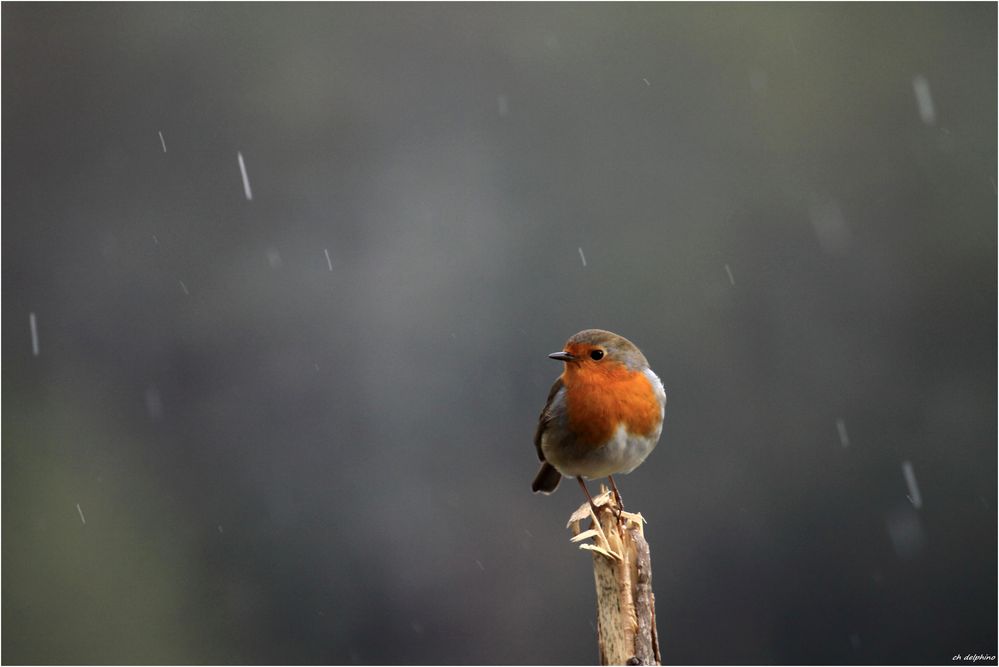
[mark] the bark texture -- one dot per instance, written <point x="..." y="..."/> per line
<point x="622" y="571"/>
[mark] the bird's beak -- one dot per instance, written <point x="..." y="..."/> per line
<point x="562" y="356"/>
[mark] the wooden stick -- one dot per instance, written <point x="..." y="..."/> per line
<point x="622" y="571"/>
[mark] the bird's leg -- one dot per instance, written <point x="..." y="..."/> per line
<point x="617" y="496"/>
<point x="596" y="520"/>
<point x="593" y="508"/>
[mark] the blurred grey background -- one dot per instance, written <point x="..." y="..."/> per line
<point x="297" y="428"/>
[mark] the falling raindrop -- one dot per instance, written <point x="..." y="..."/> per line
<point x="33" y="324"/>
<point x="844" y="438"/>
<point x="910" y="481"/>
<point x="830" y="227"/>
<point x="246" y="179"/>
<point x="924" y="100"/>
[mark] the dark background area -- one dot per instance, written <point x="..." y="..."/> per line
<point x="228" y="450"/>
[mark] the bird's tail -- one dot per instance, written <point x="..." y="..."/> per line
<point x="547" y="479"/>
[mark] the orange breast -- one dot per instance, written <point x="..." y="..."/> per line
<point x="598" y="399"/>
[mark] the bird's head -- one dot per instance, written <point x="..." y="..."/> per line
<point x="595" y="350"/>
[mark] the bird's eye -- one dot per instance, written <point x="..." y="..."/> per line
<point x="597" y="355"/>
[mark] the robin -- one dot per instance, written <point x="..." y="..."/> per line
<point x="604" y="413"/>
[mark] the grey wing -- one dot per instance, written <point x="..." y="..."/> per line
<point x="546" y="416"/>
